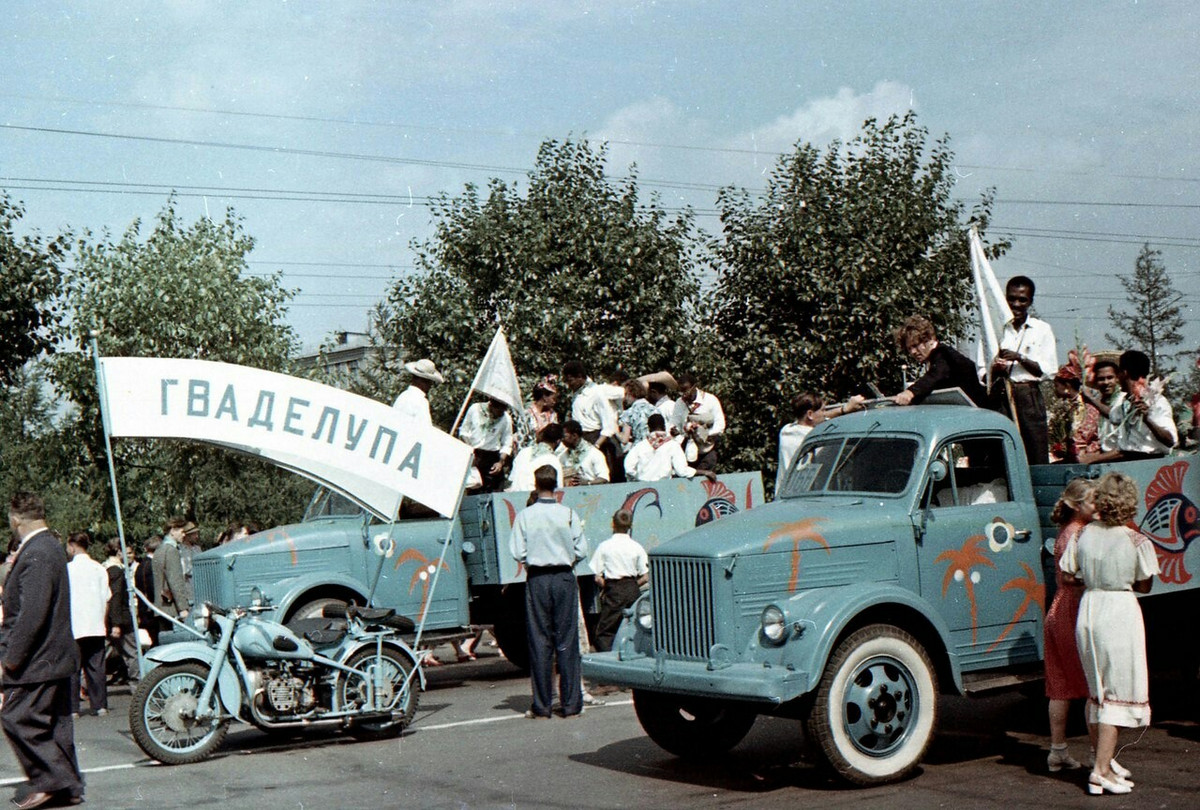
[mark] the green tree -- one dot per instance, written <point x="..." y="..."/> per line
<point x="1155" y="324"/>
<point x="576" y="267"/>
<point x="29" y="283"/>
<point x="182" y="291"/>
<point x="817" y="271"/>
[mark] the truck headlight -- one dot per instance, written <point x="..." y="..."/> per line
<point x="200" y="620"/>
<point x="774" y="625"/>
<point x="257" y="599"/>
<point x="643" y="614"/>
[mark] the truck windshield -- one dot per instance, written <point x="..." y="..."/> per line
<point x="327" y="503"/>
<point x="878" y="465"/>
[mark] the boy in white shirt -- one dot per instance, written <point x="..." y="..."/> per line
<point x="621" y="568"/>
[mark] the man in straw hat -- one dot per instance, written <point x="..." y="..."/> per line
<point x="413" y="401"/>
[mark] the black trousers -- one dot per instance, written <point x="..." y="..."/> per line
<point x="1031" y="417"/>
<point x="91" y="654"/>
<point x="612" y="455"/>
<point x="617" y="595"/>
<point x="37" y="722"/>
<point x="484" y="461"/>
<point x="552" y="622"/>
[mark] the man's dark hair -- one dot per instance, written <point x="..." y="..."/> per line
<point x="1021" y="281"/>
<point x="657" y="388"/>
<point x="152" y="544"/>
<point x="571" y="426"/>
<point x="622" y="521"/>
<point x="804" y="402"/>
<point x="1136" y="364"/>
<point x="686" y="378"/>
<point x="656" y="423"/>
<point x="551" y="434"/>
<point x="27" y="505"/>
<point x="80" y="540"/>
<point x="175" y="522"/>
<point x="113" y="547"/>
<point x="1099" y="364"/>
<point x="545" y="478"/>
<point x="618" y="376"/>
<point x="574" y="368"/>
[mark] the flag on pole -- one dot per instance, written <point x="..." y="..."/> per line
<point x="497" y="378"/>
<point x="992" y="306"/>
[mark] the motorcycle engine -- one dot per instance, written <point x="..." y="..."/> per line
<point x="288" y="694"/>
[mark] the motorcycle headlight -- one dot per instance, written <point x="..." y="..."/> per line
<point x="643" y="614"/>
<point x="774" y="625"/>
<point x="200" y="618"/>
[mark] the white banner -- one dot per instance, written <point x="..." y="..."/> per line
<point x="497" y="378"/>
<point x="357" y="446"/>
<point x="992" y="307"/>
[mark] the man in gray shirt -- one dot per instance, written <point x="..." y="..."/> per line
<point x="547" y="538"/>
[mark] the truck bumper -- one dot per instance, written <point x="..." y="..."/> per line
<point x="759" y="682"/>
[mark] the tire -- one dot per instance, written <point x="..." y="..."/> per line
<point x="315" y="608"/>
<point x="162" y="715"/>
<point x="689" y="727"/>
<point x="508" y="627"/>
<point x="353" y="691"/>
<point x="874" y="712"/>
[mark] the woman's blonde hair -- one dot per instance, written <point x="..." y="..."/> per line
<point x="1073" y="496"/>
<point x="1116" y="499"/>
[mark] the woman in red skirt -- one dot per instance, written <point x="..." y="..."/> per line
<point x="1065" y="680"/>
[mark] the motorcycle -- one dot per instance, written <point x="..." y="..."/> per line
<point x="351" y="670"/>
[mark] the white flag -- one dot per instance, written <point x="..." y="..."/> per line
<point x="497" y="378"/>
<point x="992" y="305"/>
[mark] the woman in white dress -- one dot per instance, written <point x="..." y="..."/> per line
<point x="1113" y="561"/>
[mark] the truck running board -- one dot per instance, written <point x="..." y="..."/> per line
<point x="975" y="683"/>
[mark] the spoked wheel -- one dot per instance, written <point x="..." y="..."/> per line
<point x="355" y="690"/>
<point x="163" y="720"/>
<point x="875" y="709"/>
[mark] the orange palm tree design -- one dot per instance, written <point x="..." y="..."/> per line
<point x="797" y="532"/>
<point x="960" y="562"/>
<point x="424" y="564"/>
<point x="1035" y="594"/>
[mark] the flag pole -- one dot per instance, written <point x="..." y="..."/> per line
<point x="130" y="586"/>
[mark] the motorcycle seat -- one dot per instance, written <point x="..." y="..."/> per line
<point x="319" y="632"/>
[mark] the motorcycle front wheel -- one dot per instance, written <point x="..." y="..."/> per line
<point x="162" y="715"/>
<point x="353" y="692"/>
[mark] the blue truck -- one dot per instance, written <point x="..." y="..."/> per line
<point x="329" y="558"/>
<point x="902" y="559"/>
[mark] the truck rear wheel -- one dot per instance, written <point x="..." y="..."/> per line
<point x="691" y="727"/>
<point x="875" y="709"/>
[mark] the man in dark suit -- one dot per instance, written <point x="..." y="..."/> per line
<point x="38" y="656"/>
<point x="170" y="584"/>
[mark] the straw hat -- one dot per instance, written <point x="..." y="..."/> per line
<point x="425" y="369"/>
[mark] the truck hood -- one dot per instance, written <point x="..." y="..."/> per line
<point x="314" y="534"/>
<point x="832" y="521"/>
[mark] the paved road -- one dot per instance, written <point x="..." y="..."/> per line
<point x="471" y="747"/>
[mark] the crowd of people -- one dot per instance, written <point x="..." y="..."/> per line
<point x="624" y="429"/>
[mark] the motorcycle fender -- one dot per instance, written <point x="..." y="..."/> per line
<point x="396" y="644"/>
<point x="228" y="684"/>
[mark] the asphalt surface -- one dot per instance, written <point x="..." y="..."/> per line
<point x="471" y="747"/>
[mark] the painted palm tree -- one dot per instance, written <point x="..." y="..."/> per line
<point x="960" y="562"/>
<point x="425" y="567"/>
<point x="797" y="532"/>
<point x="1035" y="594"/>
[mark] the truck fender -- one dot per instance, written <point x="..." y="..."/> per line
<point x="228" y="683"/>
<point x="295" y="588"/>
<point x="396" y="643"/>
<point x="824" y="613"/>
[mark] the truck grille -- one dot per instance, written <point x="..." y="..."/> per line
<point x="206" y="583"/>
<point x="683" y="606"/>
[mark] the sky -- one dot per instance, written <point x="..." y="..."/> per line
<point x="327" y="125"/>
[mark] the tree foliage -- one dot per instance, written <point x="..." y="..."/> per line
<point x="816" y="273"/>
<point x="29" y="282"/>
<point x="1155" y="324"/>
<point x="578" y="266"/>
<point x="181" y="291"/>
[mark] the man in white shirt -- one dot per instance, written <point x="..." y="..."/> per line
<point x="660" y="399"/>
<point x="487" y="427"/>
<point x="621" y="568"/>
<point x="657" y="457"/>
<point x="593" y="409"/>
<point x="1106" y="377"/>
<point x="413" y="401"/>
<point x="700" y="419"/>
<point x="582" y="463"/>
<point x="89" y="606"/>
<point x="541" y="453"/>
<point x="1028" y="354"/>
<point x="810" y="411"/>
<point x="1145" y="420"/>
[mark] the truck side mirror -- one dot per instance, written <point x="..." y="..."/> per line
<point x="938" y="470"/>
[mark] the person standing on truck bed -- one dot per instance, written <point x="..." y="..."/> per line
<point x="1106" y="376"/>
<point x="547" y="538"/>
<point x="944" y="367"/>
<point x="595" y="414"/>
<point x="581" y="462"/>
<point x="700" y="418"/>
<point x="1028" y="354"/>
<point x="488" y="428"/>
<point x="413" y="401"/>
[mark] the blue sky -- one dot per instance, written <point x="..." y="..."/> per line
<point x="1083" y="115"/>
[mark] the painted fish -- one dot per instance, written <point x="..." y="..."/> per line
<point x="721" y="502"/>
<point x="1172" y="521"/>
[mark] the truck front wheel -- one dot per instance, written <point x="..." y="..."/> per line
<point x="875" y="709"/>
<point x="690" y="727"/>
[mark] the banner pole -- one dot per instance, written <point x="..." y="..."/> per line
<point x="130" y="586"/>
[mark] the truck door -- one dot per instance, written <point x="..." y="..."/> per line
<point x="978" y="560"/>
<point x="407" y="579"/>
